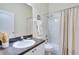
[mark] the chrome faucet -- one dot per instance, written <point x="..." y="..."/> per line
<point x="22" y="38"/>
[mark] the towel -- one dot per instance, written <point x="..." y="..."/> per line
<point x="1" y="36"/>
<point x="4" y="37"/>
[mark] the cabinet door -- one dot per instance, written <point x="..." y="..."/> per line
<point x="39" y="50"/>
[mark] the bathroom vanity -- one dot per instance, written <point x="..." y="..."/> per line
<point x="36" y="49"/>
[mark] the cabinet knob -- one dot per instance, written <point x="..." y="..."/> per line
<point x="32" y="51"/>
<point x="35" y="49"/>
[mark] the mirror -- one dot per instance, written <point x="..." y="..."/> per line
<point x="16" y="19"/>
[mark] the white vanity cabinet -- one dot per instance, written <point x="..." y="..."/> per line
<point x="38" y="50"/>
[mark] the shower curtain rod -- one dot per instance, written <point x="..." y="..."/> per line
<point x="60" y="11"/>
<point x="66" y="9"/>
<point x="48" y="15"/>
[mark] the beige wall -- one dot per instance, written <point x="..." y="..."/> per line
<point x="22" y="26"/>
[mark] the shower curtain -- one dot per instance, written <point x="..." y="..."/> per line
<point x="68" y="30"/>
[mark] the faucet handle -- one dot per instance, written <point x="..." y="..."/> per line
<point x="22" y="37"/>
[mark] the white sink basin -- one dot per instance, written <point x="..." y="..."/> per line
<point x="24" y="43"/>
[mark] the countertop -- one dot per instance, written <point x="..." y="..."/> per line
<point x="19" y="51"/>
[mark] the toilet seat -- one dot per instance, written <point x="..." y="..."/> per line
<point x="48" y="47"/>
<point x="51" y="48"/>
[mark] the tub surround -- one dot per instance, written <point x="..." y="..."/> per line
<point x="17" y="51"/>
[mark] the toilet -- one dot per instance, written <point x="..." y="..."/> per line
<point x="48" y="49"/>
<point x="51" y="49"/>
